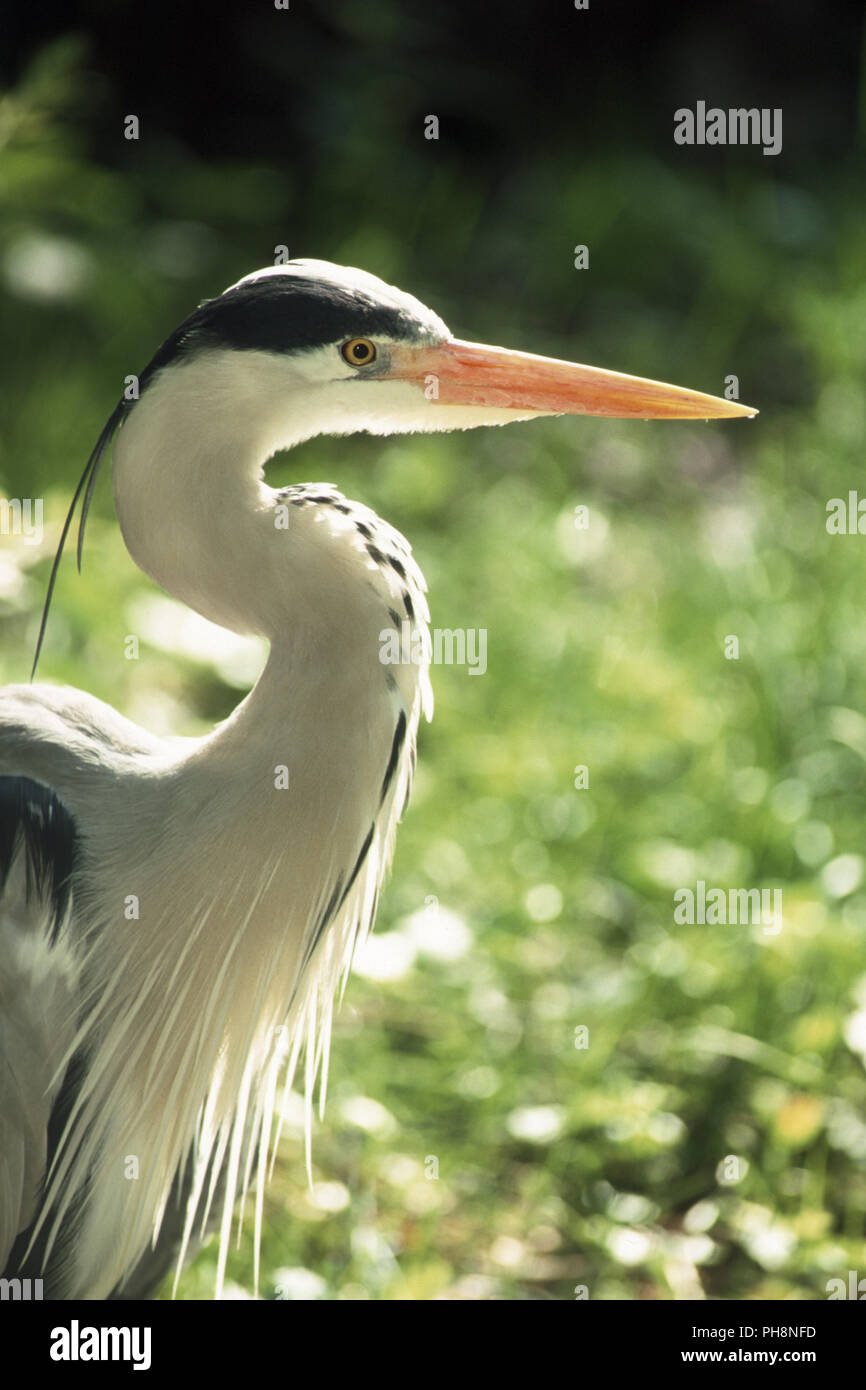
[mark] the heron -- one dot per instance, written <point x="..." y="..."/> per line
<point x="178" y="915"/>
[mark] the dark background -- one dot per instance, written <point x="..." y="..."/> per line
<point x="263" y="127"/>
<point x="251" y="82"/>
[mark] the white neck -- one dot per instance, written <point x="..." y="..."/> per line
<point x="195" y="513"/>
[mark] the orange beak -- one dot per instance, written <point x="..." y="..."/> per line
<point x="458" y="373"/>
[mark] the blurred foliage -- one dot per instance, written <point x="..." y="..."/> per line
<point x="522" y="908"/>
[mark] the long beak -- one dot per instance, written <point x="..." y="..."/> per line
<point x="458" y="373"/>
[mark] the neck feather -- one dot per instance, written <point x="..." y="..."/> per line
<point x="198" y="518"/>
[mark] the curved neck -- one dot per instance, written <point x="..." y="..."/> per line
<point x="198" y="518"/>
<point x="190" y="499"/>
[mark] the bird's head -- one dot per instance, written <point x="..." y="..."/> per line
<point x="333" y="350"/>
<point x="311" y="348"/>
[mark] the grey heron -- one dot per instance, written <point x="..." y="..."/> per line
<point x="143" y="1045"/>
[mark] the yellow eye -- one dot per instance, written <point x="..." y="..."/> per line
<point x="359" y="352"/>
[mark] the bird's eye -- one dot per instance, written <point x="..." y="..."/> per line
<point x="359" y="352"/>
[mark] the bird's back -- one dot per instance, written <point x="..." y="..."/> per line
<point x="38" y="997"/>
<point x="64" y="756"/>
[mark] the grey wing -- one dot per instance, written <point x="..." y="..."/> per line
<point x="66" y="760"/>
<point x="37" y="994"/>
